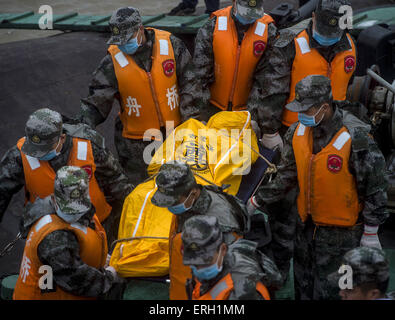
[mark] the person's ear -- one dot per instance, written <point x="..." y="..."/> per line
<point x="224" y="248"/>
<point x="325" y="106"/>
<point x="194" y="192"/>
<point x="53" y="200"/>
<point x="373" y="294"/>
<point x="234" y="7"/>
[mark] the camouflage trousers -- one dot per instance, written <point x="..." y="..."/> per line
<point x="318" y="252"/>
<point x="130" y="154"/>
<point x="282" y="221"/>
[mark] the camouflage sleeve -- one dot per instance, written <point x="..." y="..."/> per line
<point x="273" y="78"/>
<point x="369" y="168"/>
<point x="60" y="250"/>
<point x="102" y="89"/>
<point x="203" y="60"/>
<point x="186" y="79"/>
<point x="286" y="177"/>
<point x="110" y="176"/>
<point x="248" y="286"/>
<point x="12" y="178"/>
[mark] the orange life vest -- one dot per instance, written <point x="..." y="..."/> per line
<point x="40" y="177"/>
<point x="148" y="99"/>
<point x="235" y="64"/>
<point x="93" y="252"/>
<point x="222" y="290"/>
<point x="327" y="188"/>
<point x="178" y="272"/>
<point x="309" y="61"/>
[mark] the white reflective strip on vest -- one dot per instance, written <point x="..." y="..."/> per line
<point x="34" y="163"/>
<point x="218" y="289"/>
<point x="303" y="45"/>
<point x="222" y="23"/>
<point x="163" y="47"/>
<point x="121" y="59"/>
<point x="79" y="227"/>
<point x="341" y="140"/>
<point x="43" y="221"/>
<point x="301" y="130"/>
<point x="82" y="150"/>
<point x="260" y="29"/>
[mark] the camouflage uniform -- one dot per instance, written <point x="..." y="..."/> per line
<point x="176" y="178"/>
<point x="319" y="249"/>
<point x="275" y="81"/>
<point x="202" y="238"/>
<point x="109" y="175"/>
<point x="369" y="265"/>
<point x="103" y="90"/>
<point x="60" y="249"/>
<point x="275" y="88"/>
<point x="203" y="59"/>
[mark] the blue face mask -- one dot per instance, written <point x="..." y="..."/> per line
<point x="244" y="21"/>
<point x="324" y="41"/>
<point x="309" y="121"/>
<point x="50" y="155"/>
<point x="130" y="47"/>
<point x="180" y="208"/>
<point x="207" y="273"/>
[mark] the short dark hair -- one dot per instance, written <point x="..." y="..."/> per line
<point x="381" y="286"/>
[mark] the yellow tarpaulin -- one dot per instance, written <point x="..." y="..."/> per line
<point x="219" y="153"/>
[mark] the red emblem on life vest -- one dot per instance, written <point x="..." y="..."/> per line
<point x="259" y="48"/>
<point x="88" y="170"/>
<point x="335" y="163"/>
<point x="168" y="67"/>
<point x="349" y="64"/>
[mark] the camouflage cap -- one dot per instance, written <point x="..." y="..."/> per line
<point x="201" y="238"/>
<point x="123" y="23"/>
<point x="328" y="17"/>
<point x="310" y="91"/>
<point x="72" y="191"/>
<point x="43" y="130"/>
<point x="174" y="179"/>
<point x="367" y="264"/>
<point x="250" y="8"/>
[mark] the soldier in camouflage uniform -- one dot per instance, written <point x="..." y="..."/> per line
<point x="104" y="88"/>
<point x="63" y="247"/>
<point x="276" y="80"/>
<point x="184" y="197"/>
<point x="319" y="248"/>
<point x="275" y="89"/>
<point x="224" y="272"/>
<point x="370" y="275"/>
<point x="49" y="145"/>
<point x="244" y="13"/>
<point x="180" y="193"/>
